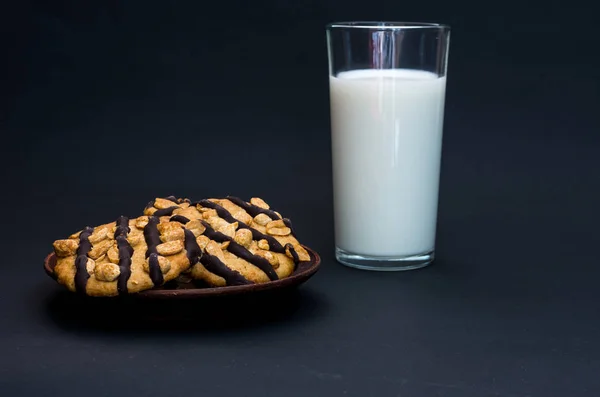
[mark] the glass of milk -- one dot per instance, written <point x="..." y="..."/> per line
<point x="387" y="88"/>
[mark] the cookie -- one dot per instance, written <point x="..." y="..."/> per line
<point x="122" y="257"/>
<point x="232" y="242"/>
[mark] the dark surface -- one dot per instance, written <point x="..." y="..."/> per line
<point x="107" y="105"/>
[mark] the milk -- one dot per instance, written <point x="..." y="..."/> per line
<point x="386" y="141"/>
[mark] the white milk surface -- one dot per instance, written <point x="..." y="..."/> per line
<point x="386" y="137"/>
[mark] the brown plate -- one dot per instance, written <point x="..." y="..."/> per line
<point x="184" y="286"/>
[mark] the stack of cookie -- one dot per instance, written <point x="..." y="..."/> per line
<point x="219" y="242"/>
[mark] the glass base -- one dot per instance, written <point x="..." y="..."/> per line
<point x="384" y="263"/>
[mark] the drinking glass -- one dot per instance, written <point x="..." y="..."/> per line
<point x="387" y="92"/>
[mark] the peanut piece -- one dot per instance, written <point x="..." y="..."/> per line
<point x="196" y="227"/>
<point x="172" y="235"/>
<point x="163" y="263"/>
<point x="170" y="248"/>
<point x="194" y="224"/>
<point x="141" y="222"/>
<point x="161" y="203"/>
<point x="269" y="257"/>
<point x="209" y="213"/>
<point x="263" y="244"/>
<point x="64" y="248"/>
<point x="279" y="231"/>
<point x="228" y="229"/>
<point x="134" y="239"/>
<point x="215" y="222"/>
<point x="90" y="266"/>
<point x="100" y="249"/>
<point x="262" y="219"/>
<point x="166" y="227"/>
<point x="107" y="272"/>
<point x="275" y="224"/>
<point x="113" y="254"/>
<point x="225" y="244"/>
<point x="257" y="201"/>
<point x="98" y="235"/>
<point x="243" y="237"/>
<point x="202" y="241"/>
<point x="214" y="249"/>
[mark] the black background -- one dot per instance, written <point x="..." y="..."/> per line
<point x="109" y="104"/>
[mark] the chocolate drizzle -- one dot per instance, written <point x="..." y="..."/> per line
<point x="252" y="209"/>
<point x="122" y="227"/>
<point x="81" y="273"/>
<point x="192" y="248"/>
<point x="222" y="212"/>
<point x="274" y="245"/>
<point x="241" y="252"/>
<point x="84" y="243"/>
<point x="177" y="200"/>
<point x="152" y="237"/>
<point x="212" y="263"/>
<point x="125" y="253"/>
<point x="292" y="250"/>
<point x="165" y="211"/>
<point x="170" y="198"/>
<point x="179" y="218"/>
<point x="288" y="223"/>
<point x="154" y="270"/>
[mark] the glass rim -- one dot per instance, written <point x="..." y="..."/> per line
<point x="384" y="25"/>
